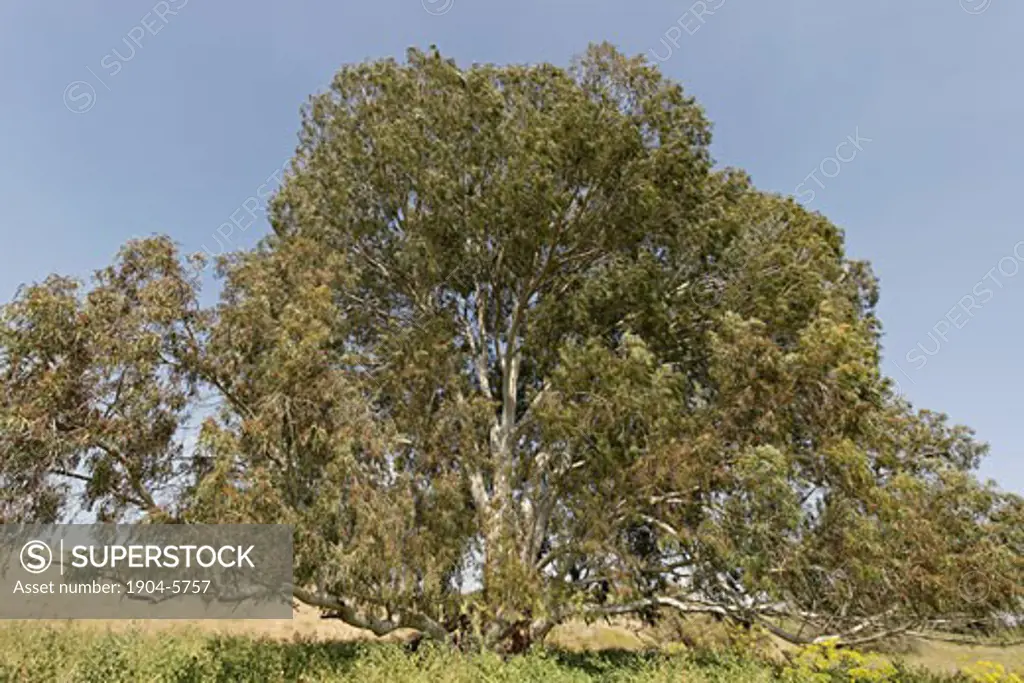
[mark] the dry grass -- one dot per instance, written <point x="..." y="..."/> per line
<point x="602" y="636"/>
<point x="951" y="657"/>
<point x="306" y="623"/>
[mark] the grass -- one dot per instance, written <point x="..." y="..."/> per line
<point x="949" y="657"/>
<point x="54" y="653"/>
<point x="310" y="649"/>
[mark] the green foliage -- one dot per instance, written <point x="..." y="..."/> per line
<point x="74" y="655"/>
<point x="517" y="352"/>
<point x="89" y="393"/>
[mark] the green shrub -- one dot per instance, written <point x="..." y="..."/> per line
<point x="52" y="653"/>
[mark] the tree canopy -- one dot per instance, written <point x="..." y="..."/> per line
<point x="515" y="352"/>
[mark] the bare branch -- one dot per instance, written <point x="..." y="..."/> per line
<point x="379" y="627"/>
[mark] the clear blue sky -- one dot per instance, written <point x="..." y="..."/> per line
<point x="185" y="122"/>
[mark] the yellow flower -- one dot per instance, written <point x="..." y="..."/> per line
<point x="991" y="672"/>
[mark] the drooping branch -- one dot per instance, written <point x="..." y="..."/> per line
<point x="338" y="609"/>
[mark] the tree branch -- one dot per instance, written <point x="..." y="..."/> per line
<point x="379" y="627"/>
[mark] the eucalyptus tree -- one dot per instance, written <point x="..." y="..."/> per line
<point x="516" y="352"/>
